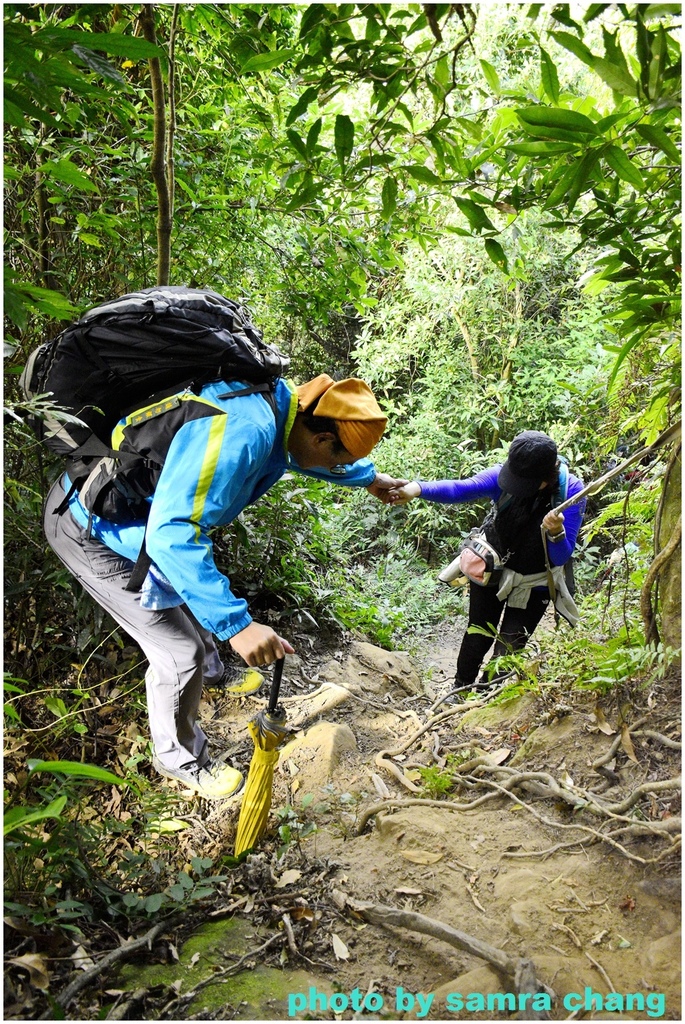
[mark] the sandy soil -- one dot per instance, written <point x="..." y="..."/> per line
<point x="593" y="921"/>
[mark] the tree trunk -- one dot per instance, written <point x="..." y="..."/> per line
<point x="668" y="539"/>
<point x="158" y="166"/>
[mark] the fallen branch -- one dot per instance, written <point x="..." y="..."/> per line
<point x="521" y="970"/>
<point x="84" y="978"/>
<point x="601" y="971"/>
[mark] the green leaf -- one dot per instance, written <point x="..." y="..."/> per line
<point x="615" y="76"/>
<point x="424" y="174"/>
<point x="297" y="142"/>
<point x="657" y="137"/>
<point x="573" y="43"/>
<point x="267" y="61"/>
<point x="582" y="176"/>
<point x="475" y="215"/>
<point x="16" y="817"/>
<point x="313" y="136"/>
<point x="496" y="254"/>
<point x="557" y="117"/>
<point x="388" y="197"/>
<point x="76" y="769"/>
<point x="153" y="903"/>
<point x="99" y="65"/>
<point x="306" y="194"/>
<point x="563" y="184"/>
<point x="613" y="72"/>
<point x="64" y="170"/>
<point x="540" y="148"/>
<point x="307" y="98"/>
<point x="16" y="106"/>
<point x="491" y="76"/>
<point x="344" y="139"/>
<point x="133" y="47"/>
<point x="57" y="706"/>
<point x="624" y="167"/>
<point x="549" y="76"/>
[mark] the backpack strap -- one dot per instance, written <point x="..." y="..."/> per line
<point x="266" y="390"/>
<point x="140" y="569"/>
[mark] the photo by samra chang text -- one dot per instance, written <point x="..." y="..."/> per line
<point x="653" y="1004"/>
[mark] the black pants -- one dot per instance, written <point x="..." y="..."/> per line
<point x="517" y="626"/>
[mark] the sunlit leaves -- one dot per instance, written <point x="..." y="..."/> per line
<point x="491" y="76"/>
<point x="66" y="171"/>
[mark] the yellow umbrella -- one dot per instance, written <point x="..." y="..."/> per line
<point x="268" y="731"/>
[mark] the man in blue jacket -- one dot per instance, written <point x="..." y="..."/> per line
<point x="221" y="459"/>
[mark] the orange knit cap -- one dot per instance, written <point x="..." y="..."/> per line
<point x="351" y="403"/>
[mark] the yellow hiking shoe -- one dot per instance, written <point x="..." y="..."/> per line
<point x="237" y="683"/>
<point x="214" y="781"/>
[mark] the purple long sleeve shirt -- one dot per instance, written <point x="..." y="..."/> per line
<point x="484" y="485"/>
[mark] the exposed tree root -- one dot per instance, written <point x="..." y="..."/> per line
<point x="472" y="774"/>
<point x="382" y="758"/>
<point x="544" y="785"/>
<point x="521" y="970"/>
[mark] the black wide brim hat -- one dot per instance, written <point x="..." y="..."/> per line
<point x="532" y="459"/>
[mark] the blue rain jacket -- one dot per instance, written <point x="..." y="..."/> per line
<point x="215" y="467"/>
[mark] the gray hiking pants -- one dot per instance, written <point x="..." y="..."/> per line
<point x="181" y="653"/>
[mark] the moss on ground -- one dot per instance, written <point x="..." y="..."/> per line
<point x="255" y="993"/>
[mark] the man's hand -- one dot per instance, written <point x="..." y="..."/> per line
<point x="383" y="484"/>
<point x="401" y="495"/>
<point x="260" y="645"/>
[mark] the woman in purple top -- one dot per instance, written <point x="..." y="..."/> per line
<point x="530" y="477"/>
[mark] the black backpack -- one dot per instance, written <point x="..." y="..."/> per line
<point x="124" y="352"/>
<point x="143" y="349"/>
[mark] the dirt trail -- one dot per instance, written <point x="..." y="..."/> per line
<point x="592" y="920"/>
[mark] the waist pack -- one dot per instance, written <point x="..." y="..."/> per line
<point x="477" y="561"/>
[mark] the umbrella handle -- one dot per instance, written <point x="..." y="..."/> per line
<point x="275" y="686"/>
